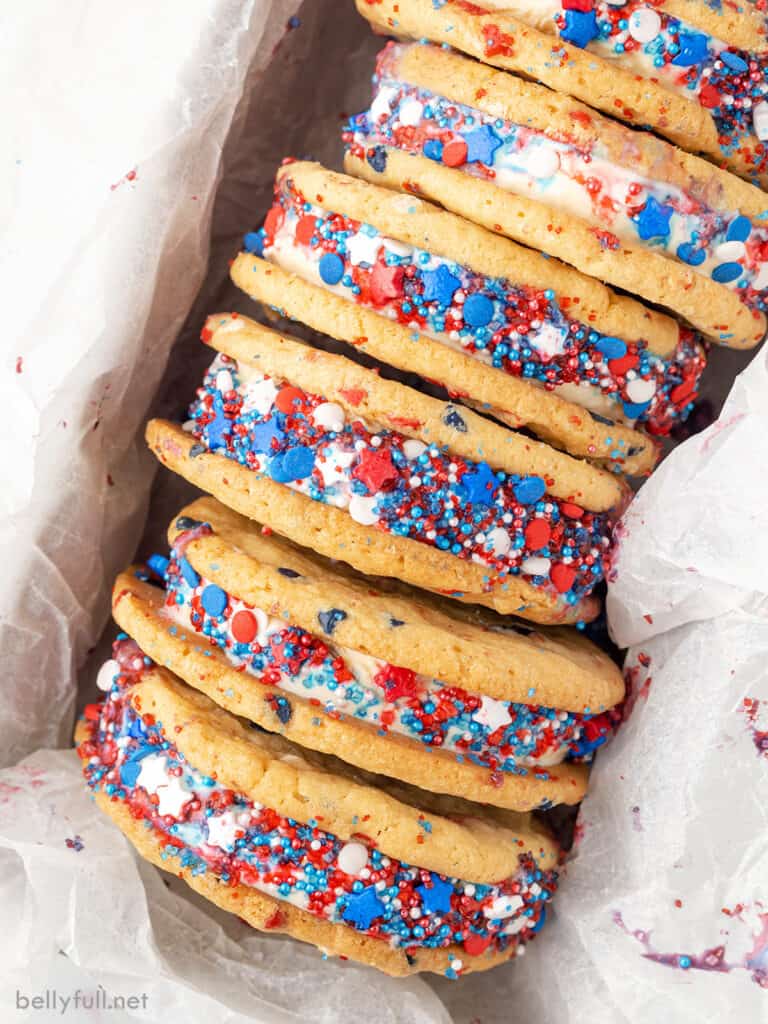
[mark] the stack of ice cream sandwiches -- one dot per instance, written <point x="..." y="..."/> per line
<point x="347" y="695"/>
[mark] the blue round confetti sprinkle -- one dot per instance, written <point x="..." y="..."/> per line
<point x="331" y="268"/>
<point x="734" y="62"/>
<point x="689" y="254"/>
<point x="530" y="489"/>
<point x="740" y="230"/>
<point x="213" y="600"/>
<point x="478" y="310"/>
<point x="612" y="348"/>
<point x="727" y="272"/>
<point x="295" y="464"/>
<point x="433" y="148"/>
<point x="254" y="242"/>
<point x="634" y="409"/>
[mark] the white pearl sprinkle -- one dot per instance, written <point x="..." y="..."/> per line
<point x="644" y="25"/>
<point x="106" y="675"/>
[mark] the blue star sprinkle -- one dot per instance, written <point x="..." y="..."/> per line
<point x="362" y="908"/>
<point x="481" y="145"/>
<point x="437" y="897"/>
<point x="439" y="285"/>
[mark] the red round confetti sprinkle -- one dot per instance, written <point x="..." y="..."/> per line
<point x="537" y="534"/>
<point x="244" y="627"/>
<point x="562" y="577"/>
<point x="620" y="366"/>
<point x="288" y="398"/>
<point x="455" y="153"/>
<point x="571" y="510"/>
<point x="305" y="229"/>
<point x="475" y="944"/>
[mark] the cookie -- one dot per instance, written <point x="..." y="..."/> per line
<point x="619" y="205"/>
<point x="298" y="843"/>
<point x="694" y="71"/>
<point x="277" y="635"/>
<point x="391" y="481"/>
<point x="514" y="311"/>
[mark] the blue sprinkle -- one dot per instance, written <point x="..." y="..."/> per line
<point x="158" y="564"/>
<point x="580" y="28"/>
<point x="362" y="908"/>
<point x="735" y="63"/>
<point x="694" y="49"/>
<point x="263" y="434"/>
<point x="331" y="268"/>
<point x="481" y="485"/>
<point x="329" y="620"/>
<point x="452" y="418"/>
<point x="189" y="574"/>
<point x="481" y="145"/>
<point x="740" y="230"/>
<point x="290" y="573"/>
<point x="295" y="464"/>
<point x="436" y="898"/>
<point x="530" y="489"/>
<point x="478" y="310"/>
<point x="689" y="254"/>
<point x="612" y="348"/>
<point x="187" y="523"/>
<point x="197" y="449"/>
<point x="634" y="409"/>
<point x="439" y="285"/>
<point x="377" y="158"/>
<point x="433" y="149"/>
<point x="213" y="600"/>
<point x="653" y="220"/>
<point x="727" y="272"/>
<point x="254" y="242"/>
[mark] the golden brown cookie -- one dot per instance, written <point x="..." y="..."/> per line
<point x="391" y="481"/>
<point x="696" y="72"/>
<point x="618" y="205"/>
<point x="383" y="681"/>
<point x="295" y="842"/>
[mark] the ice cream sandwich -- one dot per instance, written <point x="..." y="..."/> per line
<point x="485" y="708"/>
<point x="513" y="311"/>
<point x="392" y="481"/>
<point x="619" y="205"/>
<point x="694" y="71"/>
<point x="296" y="843"/>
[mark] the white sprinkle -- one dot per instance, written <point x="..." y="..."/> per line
<point x="107" y="674"/>
<point x="536" y="565"/>
<point x="644" y="25"/>
<point x="329" y="416"/>
<point x="353" y="857"/>
<point x="361" y="510"/>
<point x="412" y="448"/>
<point x="641" y="390"/>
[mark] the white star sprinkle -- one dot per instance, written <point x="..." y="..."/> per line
<point x="492" y="713"/>
<point x="362" y="248"/>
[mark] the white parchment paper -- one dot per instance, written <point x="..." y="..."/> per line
<point x="142" y="141"/>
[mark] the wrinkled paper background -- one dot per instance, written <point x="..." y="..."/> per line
<point x="140" y="141"/>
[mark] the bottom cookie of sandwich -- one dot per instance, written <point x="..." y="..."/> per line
<point x="289" y="844"/>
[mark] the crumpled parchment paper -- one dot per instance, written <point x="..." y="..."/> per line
<point x="144" y="141"/>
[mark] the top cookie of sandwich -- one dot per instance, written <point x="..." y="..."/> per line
<point x="619" y="205"/>
<point x="457" y="289"/>
<point x="694" y="71"/>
